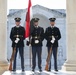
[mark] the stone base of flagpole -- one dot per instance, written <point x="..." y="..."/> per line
<point x="3" y="67"/>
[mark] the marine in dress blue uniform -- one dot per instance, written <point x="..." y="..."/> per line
<point x="53" y="35"/>
<point x="37" y="36"/>
<point x="17" y="37"/>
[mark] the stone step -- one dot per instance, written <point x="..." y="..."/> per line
<point x="18" y="72"/>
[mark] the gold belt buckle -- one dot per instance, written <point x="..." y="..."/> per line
<point x="17" y="36"/>
<point x="52" y="36"/>
<point x="35" y="37"/>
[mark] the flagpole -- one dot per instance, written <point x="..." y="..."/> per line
<point x="27" y="26"/>
<point x="30" y="54"/>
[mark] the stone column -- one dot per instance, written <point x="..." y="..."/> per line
<point x="70" y="64"/>
<point x="3" y="33"/>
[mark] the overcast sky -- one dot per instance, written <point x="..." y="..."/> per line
<point x="22" y="4"/>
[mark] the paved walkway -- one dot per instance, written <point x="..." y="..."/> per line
<point x="18" y="72"/>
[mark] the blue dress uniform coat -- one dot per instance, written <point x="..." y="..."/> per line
<point x="37" y="34"/>
<point x="52" y="32"/>
<point x="17" y="32"/>
<point x="48" y="36"/>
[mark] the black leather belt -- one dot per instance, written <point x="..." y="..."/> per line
<point x="17" y="36"/>
<point x="36" y="37"/>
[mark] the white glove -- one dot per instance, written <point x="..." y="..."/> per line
<point x="36" y="41"/>
<point x="27" y="39"/>
<point x="17" y="40"/>
<point x="52" y="41"/>
<point x="53" y="38"/>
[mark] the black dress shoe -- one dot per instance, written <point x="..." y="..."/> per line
<point x="56" y="70"/>
<point x="49" y="70"/>
<point x="40" y="70"/>
<point x="33" y="70"/>
<point x="14" y="70"/>
<point x="23" y="70"/>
